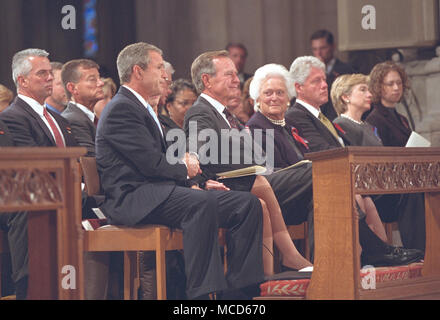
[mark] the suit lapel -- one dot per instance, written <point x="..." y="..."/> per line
<point x="221" y="122"/>
<point x="141" y="107"/>
<point x="27" y="108"/>
<point x="320" y="126"/>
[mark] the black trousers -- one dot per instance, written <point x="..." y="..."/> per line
<point x="200" y="214"/>
<point x="15" y="224"/>
<point x="409" y="212"/>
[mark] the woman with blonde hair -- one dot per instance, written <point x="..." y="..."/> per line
<point x="6" y="97"/>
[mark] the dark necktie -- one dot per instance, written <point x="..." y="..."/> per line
<point x="57" y="134"/>
<point x="95" y="121"/>
<point x="232" y="121"/>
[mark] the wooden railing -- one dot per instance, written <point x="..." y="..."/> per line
<point x="338" y="175"/>
<point x="46" y="183"/>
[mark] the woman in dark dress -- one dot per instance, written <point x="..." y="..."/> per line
<point x="351" y="98"/>
<point x="272" y="93"/>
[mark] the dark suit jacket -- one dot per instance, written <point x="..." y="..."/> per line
<point x="83" y="129"/>
<point x="207" y="117"/>
<point x="394" y="130"/>
<point x="284" y="148"/>
<point x="309" y="127"/>
<point x="29" y="130"/>
<point x="339" y="68"/>
<point x="5" y="136"/>
<point x="131" y="158"/>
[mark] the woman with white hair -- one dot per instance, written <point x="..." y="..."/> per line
<point x="272" y="90"/>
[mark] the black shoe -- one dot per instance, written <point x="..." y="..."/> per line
<point x="394" y="256"/>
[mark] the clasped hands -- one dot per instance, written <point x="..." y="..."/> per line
<point x="193" y="168"/>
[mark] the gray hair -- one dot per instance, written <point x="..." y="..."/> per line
<point x="168" y="67"/>
<point x="21" y="66"/>
<point x="270" y="71"/>
<point x="301" y="66"/>
<point x="204" y="64"/>
<point x="131" y="55"/>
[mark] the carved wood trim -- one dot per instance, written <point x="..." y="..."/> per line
<point x="24" y="186"/>
<point x="396" y="176"/>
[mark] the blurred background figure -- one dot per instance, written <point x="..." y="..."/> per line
<point x="6" y="97"/>
<point x="238" y="54"/>
<point x="166" y="89"/>
<point x="57" y="101"/>
<point x="182" y="96"/>
<point x="323" y="47"/>
<point x="109" y="90"/>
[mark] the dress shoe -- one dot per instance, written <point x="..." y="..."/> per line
<point x="394" y="256"/>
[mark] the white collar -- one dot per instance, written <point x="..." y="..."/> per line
<point x="309" y="107"/>
<point x="139" y="97"/>
<point x="217" y="105"/>
<point x="86" y="110"/>
<point x="34" y="104"/>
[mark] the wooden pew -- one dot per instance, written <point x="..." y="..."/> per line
<point x="338" y="175"/>
<point x="45" y="182"/>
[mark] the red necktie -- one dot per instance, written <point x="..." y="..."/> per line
<point x="57" y="134"/>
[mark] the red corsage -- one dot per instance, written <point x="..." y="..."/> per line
<point x="337" y="126"/>
<point x="300" y="139"/>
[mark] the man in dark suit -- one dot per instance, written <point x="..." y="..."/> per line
<point x="32" y="125"/>
<point x="83" y="87"/>
<point x="308" y="74"/>
<point x="143" y="186"/>
<point x="323" y="47"/>
<point x="215" y="77"/>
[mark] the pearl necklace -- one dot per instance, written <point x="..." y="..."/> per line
<point x="281" y="122"/>
<point x="349" y="118"/>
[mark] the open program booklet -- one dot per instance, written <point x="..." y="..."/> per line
<point x="299" y="163"/>
<point x="255" y="170"/>
<point x="242" y="172"/>
<point x="416" y="140"/>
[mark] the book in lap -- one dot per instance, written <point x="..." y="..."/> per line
<point x="242" y="172"/>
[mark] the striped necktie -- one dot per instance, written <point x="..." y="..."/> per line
<point x="325" y="121"/>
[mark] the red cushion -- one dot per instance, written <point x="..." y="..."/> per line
<point x="298" y="288"/>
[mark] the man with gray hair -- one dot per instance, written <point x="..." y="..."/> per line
<point x="143" y="187"/>
<point x="308" y="74"/>
<point x="31" y="125"/>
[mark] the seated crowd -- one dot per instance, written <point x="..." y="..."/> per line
<point x="273" y="115"/>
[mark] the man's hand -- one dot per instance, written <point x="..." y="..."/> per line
<point x="215" y="185"/>
<point x="192" y="165"/>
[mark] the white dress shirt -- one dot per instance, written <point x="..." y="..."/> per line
<point x="217" y="106"/>
<point x="38" y="108"/>
<point x="147" y="106"/>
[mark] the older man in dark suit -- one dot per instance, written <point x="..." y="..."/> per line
<point x="311" y="89"/>
<point x="143" y="186"/>
<point x="32" y="125"/>
<point x="83" y="88"/>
